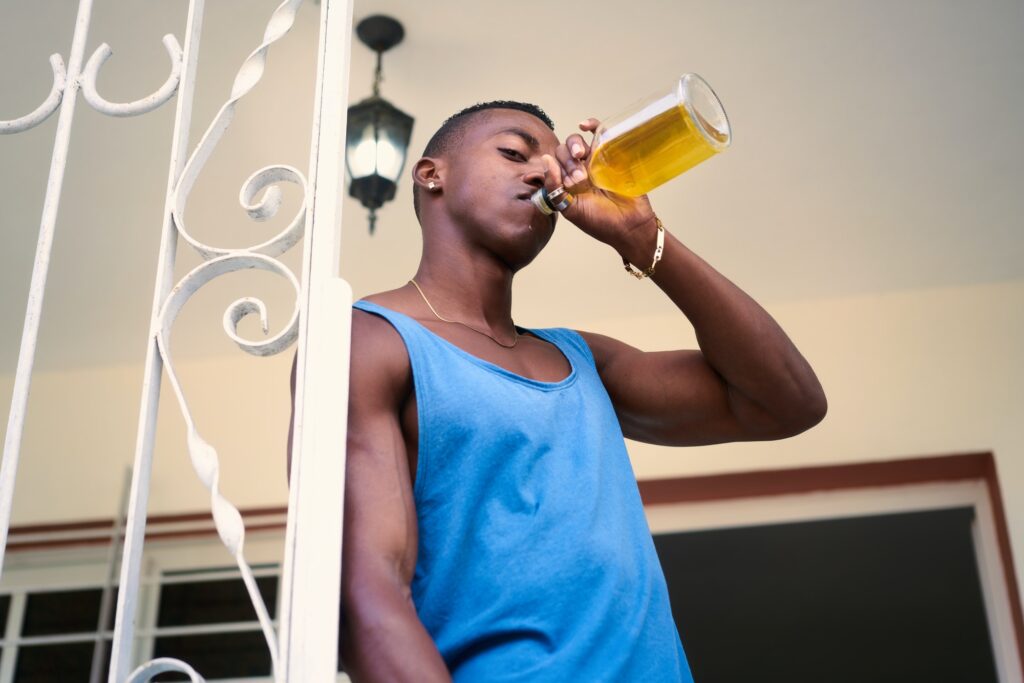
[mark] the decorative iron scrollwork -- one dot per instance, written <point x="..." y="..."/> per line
<point x="260" y="196"/>
<point x="140" y="106"/>
<point x="49" y="105"/>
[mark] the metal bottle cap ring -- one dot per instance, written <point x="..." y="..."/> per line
<point x="547" y="203"/>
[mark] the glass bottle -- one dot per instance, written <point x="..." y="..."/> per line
<point x="657" y="139"/>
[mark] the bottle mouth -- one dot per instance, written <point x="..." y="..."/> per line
<point x="706" y="111"/>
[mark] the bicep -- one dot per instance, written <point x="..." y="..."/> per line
<point x="382" y="637"/>
<point x="673" y="398"/>
<point x="380" y="515"/>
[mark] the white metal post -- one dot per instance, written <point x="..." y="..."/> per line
<point x="44" y="247"/>
<point x="312" y="570"/>
<point x="99" y="653"/>
<point x="126" y="614"/>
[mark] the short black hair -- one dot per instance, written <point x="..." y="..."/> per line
<point x="451" y="132"/>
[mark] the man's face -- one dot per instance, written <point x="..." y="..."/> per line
<point x="490" y="177"/>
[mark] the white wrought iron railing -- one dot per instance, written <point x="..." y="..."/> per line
<point x="303" y="647"/>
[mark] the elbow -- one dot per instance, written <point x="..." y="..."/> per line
<point x="799" y="409"/>
<point x="808" y="411"/>
<point x="816" y="408"/>
<point x="370" y="598"/>
<point x="364" y="614"/>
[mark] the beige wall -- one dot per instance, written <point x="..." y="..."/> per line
<point x="909" y="373"/>
<point x="912" y="373"/>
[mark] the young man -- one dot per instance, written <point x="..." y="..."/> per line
<point x="493" y="528"/>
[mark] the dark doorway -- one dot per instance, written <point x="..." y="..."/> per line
<point x="881" y="598"/>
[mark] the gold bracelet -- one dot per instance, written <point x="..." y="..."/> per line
<point x="641" y="274"/>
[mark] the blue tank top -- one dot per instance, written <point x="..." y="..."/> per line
<point x="535" y="559"/>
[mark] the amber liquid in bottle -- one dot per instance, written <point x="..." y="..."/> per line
<point x="657" y="144"/>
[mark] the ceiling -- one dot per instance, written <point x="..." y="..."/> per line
<point x="877" y="147"/>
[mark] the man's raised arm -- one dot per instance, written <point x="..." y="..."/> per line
<point x="747" y="382"/>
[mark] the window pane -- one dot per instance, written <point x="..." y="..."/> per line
<point x="883" y="598"/>
<point x="113" y="608"/>
<point x="219" y="655"/>
<point x="212" y="602"/>
<point x="61" y="612"/>
<point x="5" y="605"/>
<point x="49" y="663"/>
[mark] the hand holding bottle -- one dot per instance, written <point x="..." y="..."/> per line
<point x="630" y="154"/>
<point x="608" y="217"/>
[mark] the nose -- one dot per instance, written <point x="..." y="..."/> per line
<point x="535" y="176"/>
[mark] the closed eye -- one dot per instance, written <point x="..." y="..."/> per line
<point x="512" y="154"/>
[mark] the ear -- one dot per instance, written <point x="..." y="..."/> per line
<point x="426" y="171"/>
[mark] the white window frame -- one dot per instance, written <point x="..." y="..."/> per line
<point x="44" y="571"/>
<point x="60" y="569"/>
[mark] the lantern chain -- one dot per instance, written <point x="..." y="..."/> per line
<point x="378" y="75"/>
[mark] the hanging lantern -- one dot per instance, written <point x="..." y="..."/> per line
<point x="377" y="141"/>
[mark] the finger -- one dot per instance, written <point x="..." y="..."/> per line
<point x="552" y="172"/>
<point x="574" y="173"/>
<point x="589" y="125"/>
<point x="568" y="164"/>
<point x="578" y="173"/>
<point x="578" y="147"/>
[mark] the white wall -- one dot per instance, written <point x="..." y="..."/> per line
<point x="912" y="373"/>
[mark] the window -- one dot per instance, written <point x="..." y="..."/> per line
<point x="939" y="520"/>
<point x="204" y="617"/>
<point x="886" y="597"/>
<point x="51" y="634"/>
<point x="192" y="606"/>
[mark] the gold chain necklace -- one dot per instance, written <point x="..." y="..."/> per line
<point x="515" y="332"/>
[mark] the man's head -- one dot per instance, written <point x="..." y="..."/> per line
<point x="473" y="184"/>
<point x="450" y="134"/>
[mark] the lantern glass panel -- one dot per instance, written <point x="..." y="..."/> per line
<point x="390" y="155"/>
<point x="378" y="139"/>
<point x="361" y="153"/>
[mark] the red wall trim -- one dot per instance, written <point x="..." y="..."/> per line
<point x="822" y="478"/>
<point x="191" y="525"/>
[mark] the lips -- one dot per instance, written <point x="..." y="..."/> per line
<point x="527" y="196"/>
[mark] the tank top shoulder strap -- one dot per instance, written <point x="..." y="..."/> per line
<point x="399" y="321"/>
<point x="568" y="341"/>
<point x="419" y="342"/>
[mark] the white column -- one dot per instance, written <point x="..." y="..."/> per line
<point x="312" y="571"/>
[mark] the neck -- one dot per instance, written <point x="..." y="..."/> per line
<point x="475" y="288"/>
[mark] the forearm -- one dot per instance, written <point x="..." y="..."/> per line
<point x="737" y="337"/>
<point x="384" y="640"/>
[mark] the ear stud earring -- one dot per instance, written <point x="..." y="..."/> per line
<point x="431" y="185"/>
